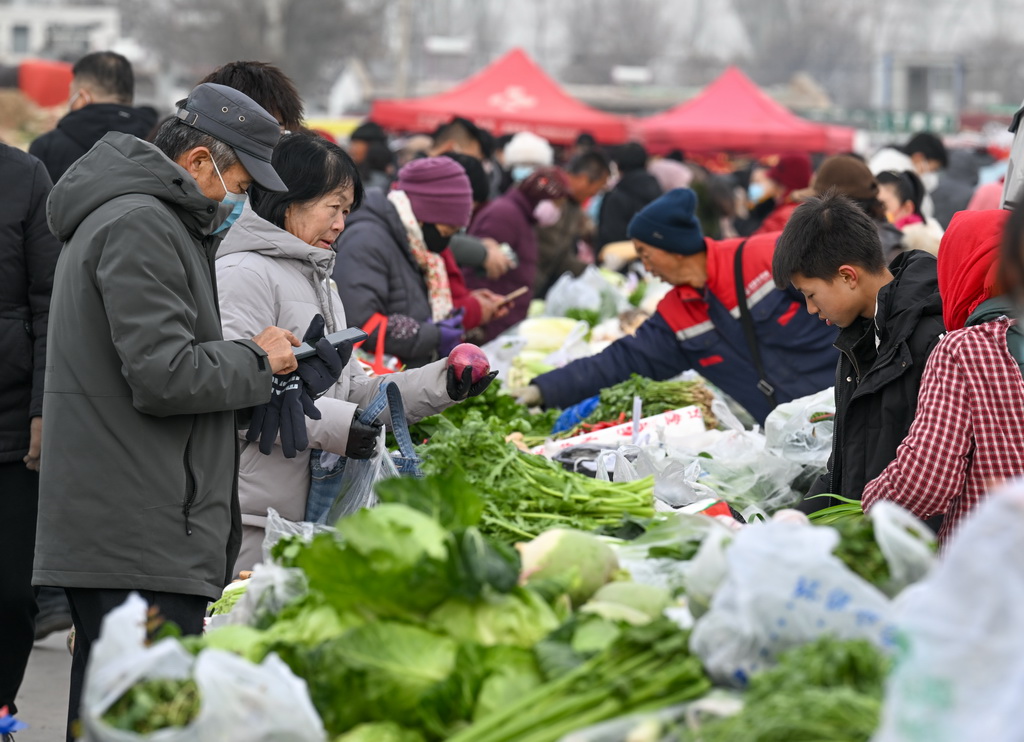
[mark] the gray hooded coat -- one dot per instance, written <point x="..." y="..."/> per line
<point x="139" y="459"/>
<point x="268" y="276"/>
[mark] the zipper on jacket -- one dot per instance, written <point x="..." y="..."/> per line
<point x="190" y="485"/>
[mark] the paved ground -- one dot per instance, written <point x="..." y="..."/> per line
<point x="43" y="700"/>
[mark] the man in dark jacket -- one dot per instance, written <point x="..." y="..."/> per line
<point x="102" y="89"/>
<point x="28" y="256"/>
<point x="636" y="188"/>
<point x="891" y="319"/>
<point x="139" y="486"/>
<point x="698" y="326"/>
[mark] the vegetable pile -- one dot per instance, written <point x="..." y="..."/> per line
<point x="526" y="494"/>
<point x="616" y="402"/>
<point x="418" y="627"/>
<point x="155" y="704"/>
<point x="825" y="690"/>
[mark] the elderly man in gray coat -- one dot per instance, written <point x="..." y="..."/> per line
<point x="138" y="481"/>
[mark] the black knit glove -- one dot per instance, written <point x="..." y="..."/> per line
<point x="284" y="414"/>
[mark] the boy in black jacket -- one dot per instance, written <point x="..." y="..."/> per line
<point x="891" y="319"/>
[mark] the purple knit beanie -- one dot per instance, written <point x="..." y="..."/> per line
<point x="438" y="189"/>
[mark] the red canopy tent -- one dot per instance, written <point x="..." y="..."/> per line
<point x="733" y="114"/>
<point x="512" y="94"/>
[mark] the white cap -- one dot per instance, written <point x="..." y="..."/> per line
<point x="526" y="148"/>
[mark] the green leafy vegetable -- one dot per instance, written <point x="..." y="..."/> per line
<point x="526" y="494"/>
<point x="151" y="705"/>
<point x="519" y="619"/>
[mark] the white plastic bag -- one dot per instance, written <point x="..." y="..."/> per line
<point x="589" y="291"/>
<point x="270" y="589"/>
<point x="906" y="543"/>
<point x="784" y="588"/>
<point x="278" y="527"/>
<point x="238" y="699"/>
<point x="959" y="674"/>
<point x="791" y="434"/>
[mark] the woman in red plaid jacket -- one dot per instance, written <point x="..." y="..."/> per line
<point x="969" y="431"/>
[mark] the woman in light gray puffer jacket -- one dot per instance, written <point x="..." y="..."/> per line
<point x="276" y="271"/>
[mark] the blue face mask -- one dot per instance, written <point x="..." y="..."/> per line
<point x="236" y="200"/>
<point x="756" y="193"/>
<point x="521" y="172"/>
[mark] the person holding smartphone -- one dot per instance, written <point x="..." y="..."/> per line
<point x="275" y="267"/>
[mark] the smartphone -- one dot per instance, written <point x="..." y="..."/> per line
<point x="351" y="335"/>
<point x="509" y="298"/>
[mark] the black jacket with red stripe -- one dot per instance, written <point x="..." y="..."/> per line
<point x="700" y="329"/>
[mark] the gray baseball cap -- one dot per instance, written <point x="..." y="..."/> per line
<point x="237" y="120"/>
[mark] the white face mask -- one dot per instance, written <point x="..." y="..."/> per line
<point x="930" y="180"/>
<point x="236" y="201"/>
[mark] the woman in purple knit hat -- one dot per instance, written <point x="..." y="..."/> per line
<point x="390" y="265"/>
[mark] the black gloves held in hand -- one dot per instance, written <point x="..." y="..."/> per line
<point x="320" y="372"/>
<point x="461" y="388"/>
<point x="286" y="414"/>
<point x="362" y="437"/>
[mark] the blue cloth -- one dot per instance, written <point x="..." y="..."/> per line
<point x="576" y="414"/>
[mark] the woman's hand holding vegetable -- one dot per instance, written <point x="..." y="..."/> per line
<point x="469" y="372"/>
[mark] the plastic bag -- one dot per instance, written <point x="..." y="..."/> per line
<point x="907" y="544"/>
<point x="239" y="700"/>
<point x="278" y="527"/>
<point x="959" y="674"/>
<point x="662" y="725"/>
<point x="357" y="483"/>
<point x="590" y="292"/>
<point x="791" y="434"/>
<point x="784" y="588"/>
<point x="270" y="589"/>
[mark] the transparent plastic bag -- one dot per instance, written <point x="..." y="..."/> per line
<point x="960" y="669"/>
<point x="270" y="589"/>
<point x="791" y="434"/>
<point x="278" y="527"/>
<point x="238" y="699"/>
<point x="907" y="544"/>
<point x="357" y="483"/>
<point x="784" y="588"/>
<point x="590" y="291"/>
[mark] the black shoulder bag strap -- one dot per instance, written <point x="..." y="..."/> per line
<point x="748" y="327"/>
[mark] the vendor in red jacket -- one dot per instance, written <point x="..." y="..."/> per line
<point x="697" y="325"/>
<point x="791" y="174"/>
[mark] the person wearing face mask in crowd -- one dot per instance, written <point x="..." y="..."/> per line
<point x="790" y="175"/>
<point x="524" y="153"/>
<point x="102" y="90"/>
<point x="902" y="195"/>
<point x="138" y="371"/>
<point x="390" y="272"/>
<point x="587" y="174"/>
<point x="512" y="219"/>
<point x="699" y="324"/>
<point x="274" y="268"/>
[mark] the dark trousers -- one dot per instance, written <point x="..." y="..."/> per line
<point x="90" y="605"/>
<point x="19" y="501"/>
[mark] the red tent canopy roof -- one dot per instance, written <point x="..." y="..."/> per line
<point x="511" y="94"/>
<point x="44" y="81"/>
<point x="734" y="114"/>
